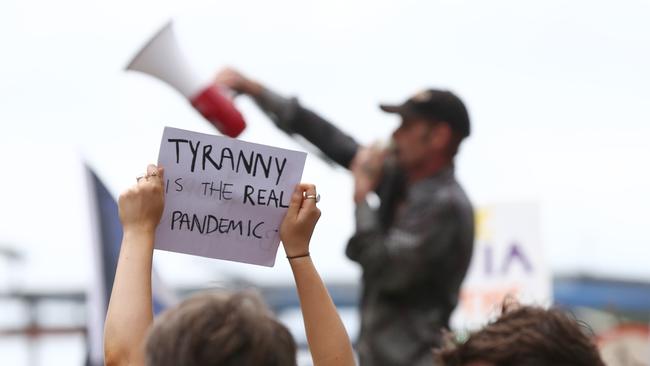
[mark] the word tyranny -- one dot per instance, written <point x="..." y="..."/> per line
<point x="252" y="164"/>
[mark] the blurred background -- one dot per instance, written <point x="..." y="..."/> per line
<point x="557" y="163"/>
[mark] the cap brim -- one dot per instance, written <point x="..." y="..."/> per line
<point x="391" y="108"/>
<point x="404" y="110"/>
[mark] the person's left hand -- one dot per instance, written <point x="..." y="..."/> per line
<point x="366" y="168"/>
<point x="141" y="206"/>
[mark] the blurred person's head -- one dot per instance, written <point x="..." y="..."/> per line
<point x="434" y="122"/>
<point x="526" y="336"/>
<point x="220" y="329"/>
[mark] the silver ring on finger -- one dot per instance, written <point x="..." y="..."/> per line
<point x="315" y="197"/>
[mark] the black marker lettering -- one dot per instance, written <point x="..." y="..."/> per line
<point x="226" y="191"/>
<point x="273" y="197"/>
<point x="176" y="215"/>
<point x="177" y="141"/>
<point x="211" y="219"/>
<point x="248" y="164"/>
<point x="255" y="228"/>
<point x="236" y="226"/>
<point x="261" y="197"/>
<point x="266" y="168"/>
<point x="280" y="169"/>
<point x="286" y="205"/>
<point x="224" y="226"/>
<point x="207" y="149"/>
<point x="196" y="223"/>
<point x="248" y="190"/>
<point x="194" y="153"/>
<point x="228" y="156"/>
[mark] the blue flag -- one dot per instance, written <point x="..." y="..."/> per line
<point x="107" y="239"/>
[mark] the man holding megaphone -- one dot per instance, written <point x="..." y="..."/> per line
<point x="415" y="247"/>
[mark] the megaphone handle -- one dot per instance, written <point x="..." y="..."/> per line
<point x="219" y="110"/>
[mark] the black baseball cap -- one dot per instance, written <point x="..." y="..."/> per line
<point x="436" y="106"/>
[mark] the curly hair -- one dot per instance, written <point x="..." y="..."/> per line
<point x="526" y="336"/>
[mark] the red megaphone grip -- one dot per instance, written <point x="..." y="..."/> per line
<point x="220" y="111"/>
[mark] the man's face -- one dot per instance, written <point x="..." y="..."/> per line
<point x="413" y="142"/>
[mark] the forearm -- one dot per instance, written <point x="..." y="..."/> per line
<point x="291" y="117"/>
<point x="328" y="340"/>
<point x="129" y="313"/>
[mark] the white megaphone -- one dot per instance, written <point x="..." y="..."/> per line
<point x="162" y="58"/>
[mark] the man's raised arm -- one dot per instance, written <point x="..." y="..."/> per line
<point x="291" y="117"/>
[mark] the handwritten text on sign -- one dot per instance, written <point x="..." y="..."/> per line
<point x="224" y="198"/>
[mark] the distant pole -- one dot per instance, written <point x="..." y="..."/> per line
<point x="32" y="332"/>
<point x="12" y="256"/>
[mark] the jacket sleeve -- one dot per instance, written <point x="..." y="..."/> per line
<point x="293" y="118"/>
<point x="413" y="251"/>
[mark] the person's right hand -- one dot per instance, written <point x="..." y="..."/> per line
<point x="236" y="81"/>
<point x="141" y="206"/>
<point x="300" y="220"/>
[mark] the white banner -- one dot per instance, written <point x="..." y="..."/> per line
<point x="508" y="260"/>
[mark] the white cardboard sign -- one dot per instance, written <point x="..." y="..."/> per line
<point x="225" y="198"/>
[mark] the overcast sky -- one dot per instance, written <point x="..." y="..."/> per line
<point x="557" y="91"/>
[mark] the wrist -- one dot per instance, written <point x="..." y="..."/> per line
<point x="300" y="262"/>
<point x="140" y="232"/>
<point x="295" y="250"/>
<point x="358" y="198"/>
<point x="251" y="88"/>
<point x="298" y="256"/>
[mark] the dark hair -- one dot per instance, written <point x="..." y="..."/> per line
<point x="526" y="336"/>
<point x="218" y="328"/>
<point x="454" y="144"/>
